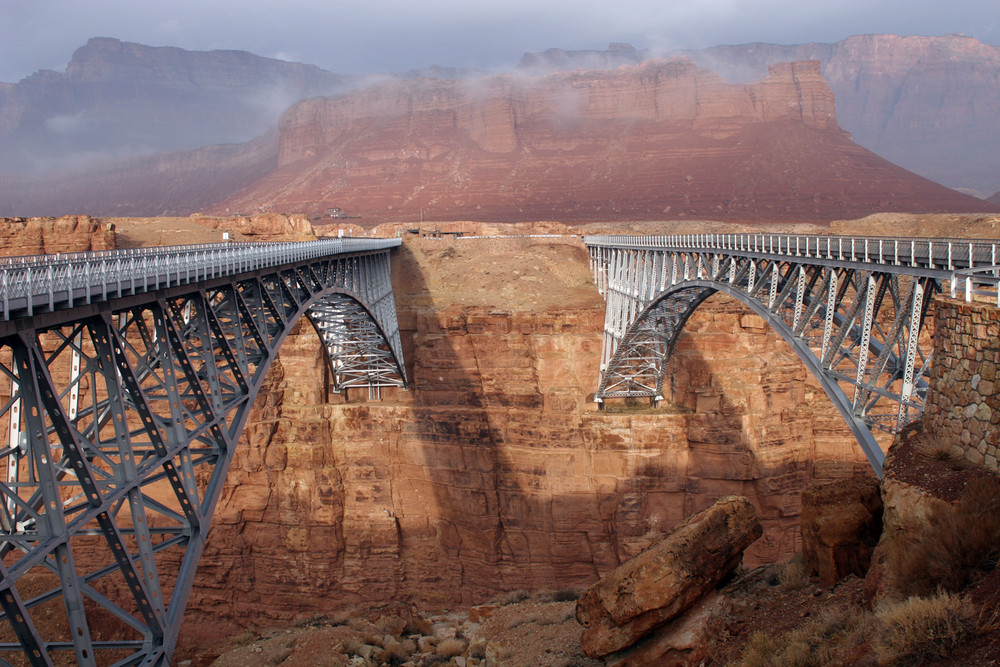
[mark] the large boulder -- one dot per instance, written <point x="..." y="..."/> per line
<point x="841" y="523"/>
<point x="668" y="578"/>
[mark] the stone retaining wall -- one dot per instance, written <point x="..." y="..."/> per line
<point x="963" y="407"/>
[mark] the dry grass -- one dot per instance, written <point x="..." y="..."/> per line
<point x="451" y="647"/>
<point x="512" y="597"/>
<point x="246" y="637"/>
<point x="919" y="629"/>
<point x="902" y="633"/>
<point x="957" y="546"/>
<point x="823" y="642"/>
<point x="792" y="575"/>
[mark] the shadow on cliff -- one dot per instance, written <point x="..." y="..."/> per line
<point x="760" y="425"/>
<point x="495" y="471"/>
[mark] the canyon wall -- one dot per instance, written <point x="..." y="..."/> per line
<point x="496" y="470"/>
<point x="41" y="236"/>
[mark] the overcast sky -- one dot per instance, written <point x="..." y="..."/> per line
<point x="398" y="35"/>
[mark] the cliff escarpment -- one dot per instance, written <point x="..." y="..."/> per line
<point x="496" y="471"/>
<point x="926" y="103"/>
<point x="660" y="140"/>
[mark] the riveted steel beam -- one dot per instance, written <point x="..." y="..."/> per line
<point x="124" y="407"/>
<point x="826" y="296"/>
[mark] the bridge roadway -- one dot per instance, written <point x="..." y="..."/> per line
<point x="129" y="377"/>
<point x="852" y="308"/>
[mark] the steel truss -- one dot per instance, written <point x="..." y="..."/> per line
<point x="855" y="324"/>
<point x="122" y="417"/>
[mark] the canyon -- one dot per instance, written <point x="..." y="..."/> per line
<point x="495" y="471"/>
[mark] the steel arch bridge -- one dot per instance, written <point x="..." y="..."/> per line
<point x="131" y="375"/>
<point x="852" y="308"/>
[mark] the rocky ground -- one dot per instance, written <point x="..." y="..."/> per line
<point x="775" y="602"/>
<point x="770" y="616"/>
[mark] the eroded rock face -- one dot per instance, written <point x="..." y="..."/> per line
<point x="926" y="103"/>
<point x="496" y="471"/>
<point x="40" y="236"/>
<point x="663" y="139"/>
<point x="667" y="579"/>
<point x="841" y="523"/>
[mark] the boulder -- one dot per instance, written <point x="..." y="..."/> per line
<point x="841" y="523"/>
<point x="668" y="578"/>
<point x="681" y="642"/>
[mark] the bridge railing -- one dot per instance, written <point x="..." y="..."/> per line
<point x="945" y="254"/>
<point x="982" y="281"/>
<point x="49" y="281"/>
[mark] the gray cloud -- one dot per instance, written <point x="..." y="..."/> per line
<point x="398" y="35"/>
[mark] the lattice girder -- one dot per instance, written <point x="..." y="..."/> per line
<point x="121" y="424"/>
<point x="857" y="328"/>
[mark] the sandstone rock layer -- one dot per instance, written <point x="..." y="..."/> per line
<point x="660" y="140"/>
<point x="841" y="524"/>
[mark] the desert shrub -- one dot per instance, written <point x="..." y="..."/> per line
<point x="416" y="625"/>
<point x="512" y="597"/>
<point x="477" y="648"/>
<point x="792" y="575"/>
<point x="566" y="595"/>
<point x="451" y="647"/>
<point x="957" y="544"/>
<point x="920" y="628"/>
<point x="246" y="637"/>
<point x="280" y="656"/>
<point x="352" y="645"/>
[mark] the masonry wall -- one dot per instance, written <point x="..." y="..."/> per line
<point x="963" y="408"/>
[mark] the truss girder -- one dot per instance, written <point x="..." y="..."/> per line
<point x="121" y="424"/>
<point x="856" y="327"/>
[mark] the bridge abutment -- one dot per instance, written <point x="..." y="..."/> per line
<point x="963" y="408"/>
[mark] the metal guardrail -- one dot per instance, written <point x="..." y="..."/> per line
<point x="51" y="281"/>
<point x="935" y="254"/>
<point x="983" y="281"/>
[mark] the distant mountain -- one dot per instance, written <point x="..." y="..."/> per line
<point x="118" y="99"/>
<point x="928" y="104"/>
<point x="995" y="198"/>
<point x="661" y="140"/>
<point x="171" y="183"/>
<point x="134" y="130"/>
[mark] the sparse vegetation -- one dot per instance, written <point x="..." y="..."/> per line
<point x="512" y="597"/>
<point x="822" y="642"/>
<point x="920" y="628"/>
<point x="451" y="647"/>
<point x="566" y="595"/>
<point x="792" y="575"/>
<point x="959" y="543"/>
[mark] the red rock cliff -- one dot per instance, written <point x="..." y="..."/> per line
<point x="496" y="471"/>
<point x="664" y="139"/>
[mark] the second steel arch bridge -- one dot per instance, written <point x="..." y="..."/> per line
<point x="852" y="308"/>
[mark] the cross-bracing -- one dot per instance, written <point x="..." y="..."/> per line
<point x="852" y="308"/>
<point x="129" y="377"/>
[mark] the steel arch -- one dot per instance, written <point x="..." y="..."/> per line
<point x="855" y="324"/>
<point x="670" y="313"/>
<point x="122" y="418"/>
